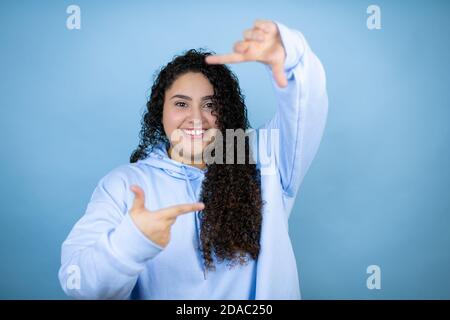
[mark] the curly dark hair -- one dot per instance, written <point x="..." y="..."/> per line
<point x="231" y="220"/>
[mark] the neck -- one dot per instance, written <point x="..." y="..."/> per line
<point x="175" y="156"/>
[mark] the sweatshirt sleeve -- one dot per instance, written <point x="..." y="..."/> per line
<point x="301" y="113"/>
<point x="105" y="252"/>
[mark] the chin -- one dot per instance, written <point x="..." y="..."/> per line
<point x="194" y="150"/>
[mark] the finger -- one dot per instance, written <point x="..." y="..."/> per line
<point x="265" y="25"/>
<point x="139" y="198"/>
<point x="226" y="58"/>
<point x="279" y="75"/>
<point x="174" y="211"/>
<point x="241" y="46"/>
<point x="254" y="35"/>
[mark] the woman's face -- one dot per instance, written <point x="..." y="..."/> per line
<point x="187" y="118"/>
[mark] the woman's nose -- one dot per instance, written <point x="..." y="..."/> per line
<point x="196" y="116"/>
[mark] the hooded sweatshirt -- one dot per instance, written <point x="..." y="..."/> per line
<point x="106" y="256"/>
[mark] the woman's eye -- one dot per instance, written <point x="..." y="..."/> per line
<point x="209" y="105"/>
<point x="180" y="104"/>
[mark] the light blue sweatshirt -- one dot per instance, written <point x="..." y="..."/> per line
<point x="106" y="256"/>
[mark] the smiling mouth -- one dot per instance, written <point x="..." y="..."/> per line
<point x="194" y="133"/>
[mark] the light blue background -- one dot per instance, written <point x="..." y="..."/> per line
<point x="377" y="192"/>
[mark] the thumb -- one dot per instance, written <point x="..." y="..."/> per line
<point x="139" y="198"/>
<point x="279" y="75"/>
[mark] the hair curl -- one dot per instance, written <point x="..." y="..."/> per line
<point x="231" y="220"/>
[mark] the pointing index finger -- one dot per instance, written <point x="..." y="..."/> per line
<point x="177" y="210"/>
<point x="225" y="58"/>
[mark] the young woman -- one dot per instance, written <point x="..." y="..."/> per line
<point x="167" y="226"/>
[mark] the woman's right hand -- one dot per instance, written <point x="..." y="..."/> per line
<point x="155" y="225"/>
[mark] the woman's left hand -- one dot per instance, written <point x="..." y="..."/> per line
<point x="262" y="43"/>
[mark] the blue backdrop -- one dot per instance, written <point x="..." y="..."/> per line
<point x="376" y="194"/>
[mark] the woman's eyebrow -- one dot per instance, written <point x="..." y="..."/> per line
<point x="182" y="96"/>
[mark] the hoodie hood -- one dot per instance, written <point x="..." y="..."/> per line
<point x="159" y="158"/>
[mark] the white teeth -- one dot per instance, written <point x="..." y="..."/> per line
<point x="194" y="132"/>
